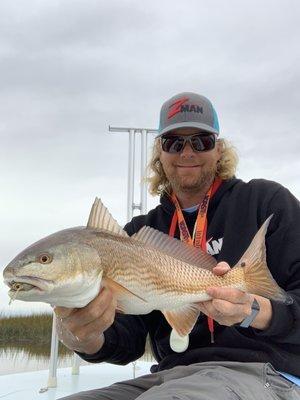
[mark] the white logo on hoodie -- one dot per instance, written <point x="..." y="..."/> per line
<point x="214" y="246"/>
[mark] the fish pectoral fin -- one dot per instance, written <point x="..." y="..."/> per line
<point x="100" y="218"/>
<point x="183" y="319"/>
<point x="120" y="291"/>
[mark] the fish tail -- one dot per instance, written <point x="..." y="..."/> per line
<point x="258" y="278"/>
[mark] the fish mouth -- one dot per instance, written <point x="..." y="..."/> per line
<point x="26" y="284"/>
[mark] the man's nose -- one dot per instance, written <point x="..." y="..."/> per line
<point x="187" y="151"/>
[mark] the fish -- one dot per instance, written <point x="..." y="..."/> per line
<point x="147" y="271"/>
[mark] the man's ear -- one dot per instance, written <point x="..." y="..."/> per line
<point x="219" y="146"/>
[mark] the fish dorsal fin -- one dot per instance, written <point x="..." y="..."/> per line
<point x="100" y="218"/>
<point x="175" y="248"/>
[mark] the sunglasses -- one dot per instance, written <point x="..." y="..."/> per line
<point x="198" y="142"/>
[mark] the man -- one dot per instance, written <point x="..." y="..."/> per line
<point x="240" y="340"/>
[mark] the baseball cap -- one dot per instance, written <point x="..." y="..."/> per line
<point x="185" y="110"/>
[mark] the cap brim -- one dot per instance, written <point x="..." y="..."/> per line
<point x="191" y="124"/>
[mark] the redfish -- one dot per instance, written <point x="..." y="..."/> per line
<point x="147" y="271"/>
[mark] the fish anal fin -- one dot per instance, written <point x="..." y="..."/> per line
<point x="183" y="319"/>
<point x="100" y="218"/>
<point x="120" y="291"/>
<point x="175" y="248"/>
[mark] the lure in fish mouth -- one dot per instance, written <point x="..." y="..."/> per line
<point x="19" y="286"/>
<point x="23" y="286"/>
<point x="24" y="283"/>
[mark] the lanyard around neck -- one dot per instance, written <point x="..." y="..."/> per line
<point x="199" y="232"/>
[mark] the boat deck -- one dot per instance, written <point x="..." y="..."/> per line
<point x="33" y="385"/>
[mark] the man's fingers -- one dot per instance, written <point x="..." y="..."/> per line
<point x="229" y="309"/>
<point x="224" y="312"/>
<point x="221" y="268"/>
<point x="63" y="312"/>
<point x="93" y="311"/>
<point x="206" y="308"/>
<point x="229" y="294"/>
<point x="98" y="325"/>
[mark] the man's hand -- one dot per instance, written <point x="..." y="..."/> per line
<point x="82" y="329"/>
<point x="230" y="306"/>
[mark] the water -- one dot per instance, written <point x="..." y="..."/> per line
<point x="25" y="357"/>
<point x="29" y="356"/>
<point x="25" y="345"/>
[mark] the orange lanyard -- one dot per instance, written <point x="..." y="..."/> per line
<point x="200" y="228"/>
<point x="200" y="224"/>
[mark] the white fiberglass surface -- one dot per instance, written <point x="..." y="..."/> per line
<point x="33" y="385"/>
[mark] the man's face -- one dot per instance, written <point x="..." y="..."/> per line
<point x="190" y="171"/>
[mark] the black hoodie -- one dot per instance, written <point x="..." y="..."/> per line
<point x="235" y="214"/>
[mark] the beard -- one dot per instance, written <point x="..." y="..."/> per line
<point x="191" y="184"/>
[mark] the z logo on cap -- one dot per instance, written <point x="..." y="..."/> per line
<point x="179" y="106"/>
<point x="175" y="108"/>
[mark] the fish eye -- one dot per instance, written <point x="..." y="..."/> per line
<point x="44" y="258"/>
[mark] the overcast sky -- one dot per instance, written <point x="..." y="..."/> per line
<point x="70" y="68"/>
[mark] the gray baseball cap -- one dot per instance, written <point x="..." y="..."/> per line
<point x="185" y="110"/>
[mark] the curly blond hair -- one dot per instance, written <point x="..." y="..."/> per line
<point x="158" y="182"/>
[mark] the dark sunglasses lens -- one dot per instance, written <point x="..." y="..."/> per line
<point x="203" y="142"/>
<point x="175" y="144"/>
<point x="172" y="144"/>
